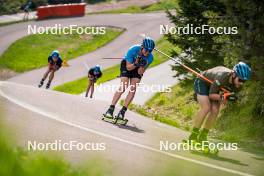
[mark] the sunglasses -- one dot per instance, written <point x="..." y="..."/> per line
<point x="241" y="80"/>
<point x="148" y="50"/>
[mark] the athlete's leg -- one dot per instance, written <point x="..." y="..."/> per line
<point x="205" y="106"/>
<point x="92" y="89"/>
<point x="122" y="87"/>
<point x="198" y="120"/>
<point x="129" y="97"/>
<point x="51" y="76"/>
<point x="132" y="91"/>
<point x="209" y="121"/>
<point x="88" y="88"/>
<point x="214" y="110"/>
<point x="46" y="74"/>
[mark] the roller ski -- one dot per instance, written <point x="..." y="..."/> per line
<point x="119" y="119"/>
<point x="198" y="142"/>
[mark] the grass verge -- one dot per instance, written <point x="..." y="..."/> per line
<point x="236" y="122"/>
<point x="15" y="160"/>
<point x="175" y="107"/>
<point x="159" y="6"/>
<point x="31" y="52"/>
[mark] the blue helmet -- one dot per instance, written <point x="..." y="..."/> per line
<point x="148" y="43"/>
<point x="55" y="53"/>
<point x="97" y="69"/>
<point x="242" y="70"/>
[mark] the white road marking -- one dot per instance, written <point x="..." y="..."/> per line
<point x="56" y="118"/>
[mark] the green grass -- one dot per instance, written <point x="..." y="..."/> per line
<point x="161" y="5"/>
<point x="175" y="108"/>
<point x="16" y="161"/>
<point x="31" y="52"/>
<point x="236" y="122"/>
<point x="80" y="85"/>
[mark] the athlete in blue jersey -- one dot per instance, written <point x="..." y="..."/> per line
<point x="136" y="61"/>
<point x="55" y="63"/>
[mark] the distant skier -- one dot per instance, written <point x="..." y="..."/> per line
<point x="55" y="63"/>
<point x="136" y="61"/>
<point x="209" y="96"/>
<point x="93" y="75"/>
<point x="27" y="9"/>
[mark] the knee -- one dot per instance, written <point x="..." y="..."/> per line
<point x="205" y="109"/>
<point x="214" y="111"/>
<point x="132" y="88"/>
<point x="122" y="89"/>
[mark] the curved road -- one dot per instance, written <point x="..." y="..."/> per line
<point x="134" y="23"/>
<point x="46" y="116"/>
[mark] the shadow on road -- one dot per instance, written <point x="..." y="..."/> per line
<point x="131" y="128"/>
<point x="219" y="158"/>
<point x="128" y="127"/>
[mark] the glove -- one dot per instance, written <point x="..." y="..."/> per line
<point x="142" y="63"/>
<point x="137" y="61"/>
<point x="230" y="96"/>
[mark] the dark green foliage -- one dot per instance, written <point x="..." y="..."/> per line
<point x="15" y="6"/>
<point x="209" y="50"/>
<point x="201" y="50"/>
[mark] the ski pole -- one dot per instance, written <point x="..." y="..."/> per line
<point x="191" y="70"/>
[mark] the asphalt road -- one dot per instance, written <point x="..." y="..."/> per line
<point x="45" y="116"/>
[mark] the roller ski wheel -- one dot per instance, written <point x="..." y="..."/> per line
<point x="215" y="152"/>
<point x="120" y="121"/>
<point x="114" y="120"/>
<point x="106" y="117"/>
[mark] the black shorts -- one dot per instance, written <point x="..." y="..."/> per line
<point x="201" y="87"/>
<point x="129" y="74"/>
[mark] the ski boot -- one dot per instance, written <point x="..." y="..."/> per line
<point x="120" y="118"/>
<point x="109" y="113"/>
<point x="121" y="114"/>
<point x="48" y="85"/>
<point x="202" y="139"/>
<point x="41" y="83"/>
<point x="193" y="137"/>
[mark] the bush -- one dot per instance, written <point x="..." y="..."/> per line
<point x="14" y="6"/>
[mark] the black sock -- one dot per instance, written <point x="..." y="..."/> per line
<point x="124" y="109"/>
<point x="112" y="107"/>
